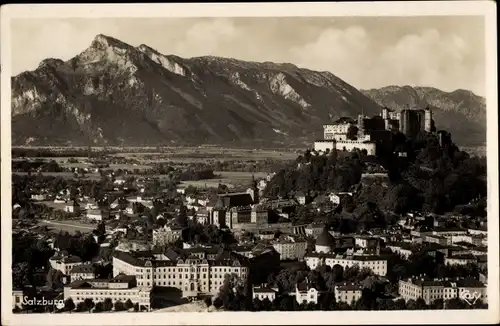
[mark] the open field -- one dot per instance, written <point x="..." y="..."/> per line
<point x="181" y="154"/>
<point x="68" y="226"/>
<point x="230" y="179"/>
<point x="66" y="175"/>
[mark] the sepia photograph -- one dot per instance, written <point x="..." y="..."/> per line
<point x="249" y="163"/>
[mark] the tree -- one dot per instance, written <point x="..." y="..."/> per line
<point x="119" y="306"/>
<point x="136" y="306"/>
<point x="101" y="229"/>
<point x="99" y="307"/>
<point x="88" y="304"/>
<point x="455" y="303"/>
<point x="217" y="303"/>
<point x="338" y="273"/>
<point x="208" y="301"/>
<point x="437" y="304"/>
<point x="107" y="304"/>
<point x="182" y="216"/>
<point x="257" y="304"/>
<point x="20" y="274"/>
<point x="69" y="305"/>
<point x="80" y="306"/>
<point x="420" y="304"/>
<point x="129" y="304"/>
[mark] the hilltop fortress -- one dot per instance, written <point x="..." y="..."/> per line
<point x="368" y="133"/>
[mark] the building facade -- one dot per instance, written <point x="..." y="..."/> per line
<point x="120" y="288"/>
<point x="290" y="247"/>
<point x="193" y="272"/>
<point x="166" y="235"/>
<point x="431" y="290"/>
<point x="348" y="292"/>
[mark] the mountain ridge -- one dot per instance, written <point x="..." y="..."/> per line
<point x="113" y="93"/>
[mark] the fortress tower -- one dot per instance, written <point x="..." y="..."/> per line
<point x="428" y="120"/>
<point x="361" y="124"/>
<point x="385" y="113"/>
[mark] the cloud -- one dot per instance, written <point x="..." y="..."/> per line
<point x="207" y="38"/>
<point x="426" y="58"/>
<point x="367" y="55"/>
<point x="35" y="41"/>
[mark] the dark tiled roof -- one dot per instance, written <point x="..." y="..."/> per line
<point x="349" y="287"/>
<point x="86" y="268"/>
<point x="234" y="200"/>
<point x="325" y="239"/>
<point x="471" y="283"/>
<point x="263" y="290"/>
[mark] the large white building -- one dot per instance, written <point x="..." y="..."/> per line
<point x="290" y="247"/>
<point x="120" y="288"/>
<point x="324" y="255"/>
<point x="346" y="145"/>
<point x="64" y="263"/>
<point x="348" y="292"/>
<point x="81" y="272"/>
<point x="193" y="271"/>
<point x="431" y="290"/>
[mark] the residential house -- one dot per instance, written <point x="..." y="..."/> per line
<point x="305" y="293"/>
<point x="290" y="247"/>
<point x="64" y="263"/>
<point x="348" y="292"/>
<point x="96" y="214"/>
<point x="81" y="272"/>
<point x="264" y="292"/>
<point x="301" y="198"/>
<point x="74" y="207"/>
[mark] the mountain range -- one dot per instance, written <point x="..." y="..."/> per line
<point x="113" y="93"/>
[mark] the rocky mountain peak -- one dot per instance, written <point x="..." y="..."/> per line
<point x="116" y="93"/>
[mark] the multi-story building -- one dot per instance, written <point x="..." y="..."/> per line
<point x="314" y="229"/>
<point x="306" y="293"/>
<point x="373" y="132"/>
<point x="196" y="271"/>
<point x="264" y="292"/>
<point x="259" y="214"/>
<point x="442" y="240"/>
<point x="460" y="260"/>
<point x="64" y="263"/>
<point x="120" y="288"/>
<point x="238" y="215"/>
<point x="366" y="242"/>
<point x="404" y="249"/>
<point x="348" y="292"/>
<point x="373" y="262"/>
<point x="81" y="272"/>
<point x="431" y="290"/>
<point x="166" y="235"/>
<point x="290" y="247"/>
<point x="324" y="255"/>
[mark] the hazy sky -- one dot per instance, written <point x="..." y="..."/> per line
<point x="367" y="52"/>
